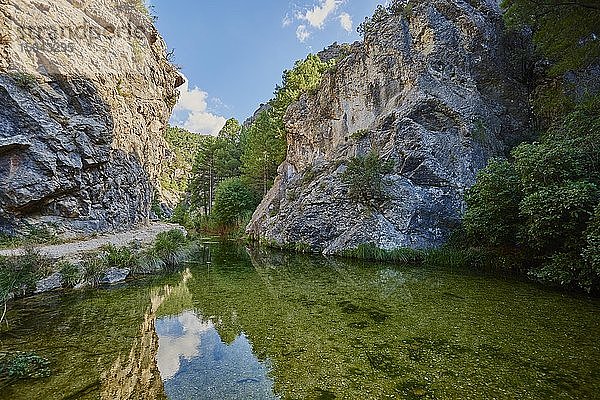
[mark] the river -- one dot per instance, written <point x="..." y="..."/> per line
<point x="237" y="324"/>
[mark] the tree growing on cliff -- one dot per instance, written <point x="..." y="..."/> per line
<point x="265" y="144"/>
<point x="264" y="151"/>
<point x="365" y="177"/>
<point x="305" y="77"/>
<point x="566" y="32"/>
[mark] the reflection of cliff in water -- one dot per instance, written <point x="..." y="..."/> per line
<point x="137" y="376"/>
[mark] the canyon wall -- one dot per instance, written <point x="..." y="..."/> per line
<point x="434" y="91"/>
<point x="86" y="89"/>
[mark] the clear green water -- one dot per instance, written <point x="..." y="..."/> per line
<point x="270" y="325"/>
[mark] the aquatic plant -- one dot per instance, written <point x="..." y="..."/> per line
<point x="70" y="274"/>
<point x="19" y="274"/>
<point x="20" y="365"/>
<point x="93" y="268"/>
<point x="369" y="251"/>
<point x="167" y="253"/>
<point x="118" y="257"/>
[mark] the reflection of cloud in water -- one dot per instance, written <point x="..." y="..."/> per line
<point x="195" y="362"/>
<point x="179" y="337"/>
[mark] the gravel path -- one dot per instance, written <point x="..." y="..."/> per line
<point x="72" y="250"/>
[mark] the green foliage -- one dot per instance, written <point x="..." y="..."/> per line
<point x="566" y="269"/>
<point x="156" y="208"/>
<point x="118" y="257"/>
<point x="480" y="131"/>
<point x="308" y="176"/>
<point x="93" y="268"/>
<point x="70" y="273"/>
<point x="556" y="216"/>
<point x="493" y="213"/>
<point x="20" y="365"/>
<point x="264" y="151"/>
<point x="365" y="177"/>
<point x="24" y="80"/>
<point x="19" y="274"/>
<point x="34" y="236"/>
<point x="402" y="8"/>
<point x="265" y="145"/>
<point x="302" y="247"/>
<point x="233" y="200"/>
<point x="217" y="158"/>
<point x="545" y="202"/>
<point x="360" y="134"/>
<point x="551" y="102"/>
<point x="564" y="32"/>
<point x="591" y="253"/>
<point x="185" y="146"/>
<point x="252" y="153"/>
<point x="305" y="77"/>
<point x="167" y="253"/>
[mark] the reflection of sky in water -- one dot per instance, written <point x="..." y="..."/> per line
<point x="195" y="364"/>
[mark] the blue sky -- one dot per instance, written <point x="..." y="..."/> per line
<point x="233" y="53"/>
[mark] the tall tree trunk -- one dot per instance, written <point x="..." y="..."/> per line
<point x="210" y="188"/>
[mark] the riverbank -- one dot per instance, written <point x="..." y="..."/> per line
<point x="73" y="251"/>
<point x="105" y="259"/>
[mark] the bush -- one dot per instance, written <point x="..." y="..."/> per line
<point x="567" y="269"/>
<point x="233" y="200"/>
<point x="365" y="177"/>
<point x="70" y="273"/>
<point x="556" y="217"/>
<point x="118" y="257"/>
<point x="24" y="80"/>
<point x="19" y="274"/>
<point x="93" y="268"/>
<point x="492" y="216"/>
<point x="167" y="253"/>
<point x="591" y="253"/>
<point x="545" y="202"/>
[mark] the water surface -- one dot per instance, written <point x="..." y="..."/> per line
<point x="262" y="325"/>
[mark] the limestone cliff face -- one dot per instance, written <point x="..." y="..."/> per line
<point x="85" y="91"/>
<point x="430" y="90"/>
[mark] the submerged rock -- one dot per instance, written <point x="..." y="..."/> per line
<point x="431" y="91"/>
<point x="85" y="91"/>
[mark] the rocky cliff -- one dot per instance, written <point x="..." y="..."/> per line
<point x="86" y="89"/>
<point x="432" y="91"/>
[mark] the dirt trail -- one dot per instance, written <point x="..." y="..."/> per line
<point x="72" y="250"/>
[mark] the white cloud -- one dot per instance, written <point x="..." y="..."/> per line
<point x="287" y="21"/>
<point x="346" y="22"/>
<point x="302" y="33"/>
<point x="191" y="112"/>
<point x="319" y="14"/>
